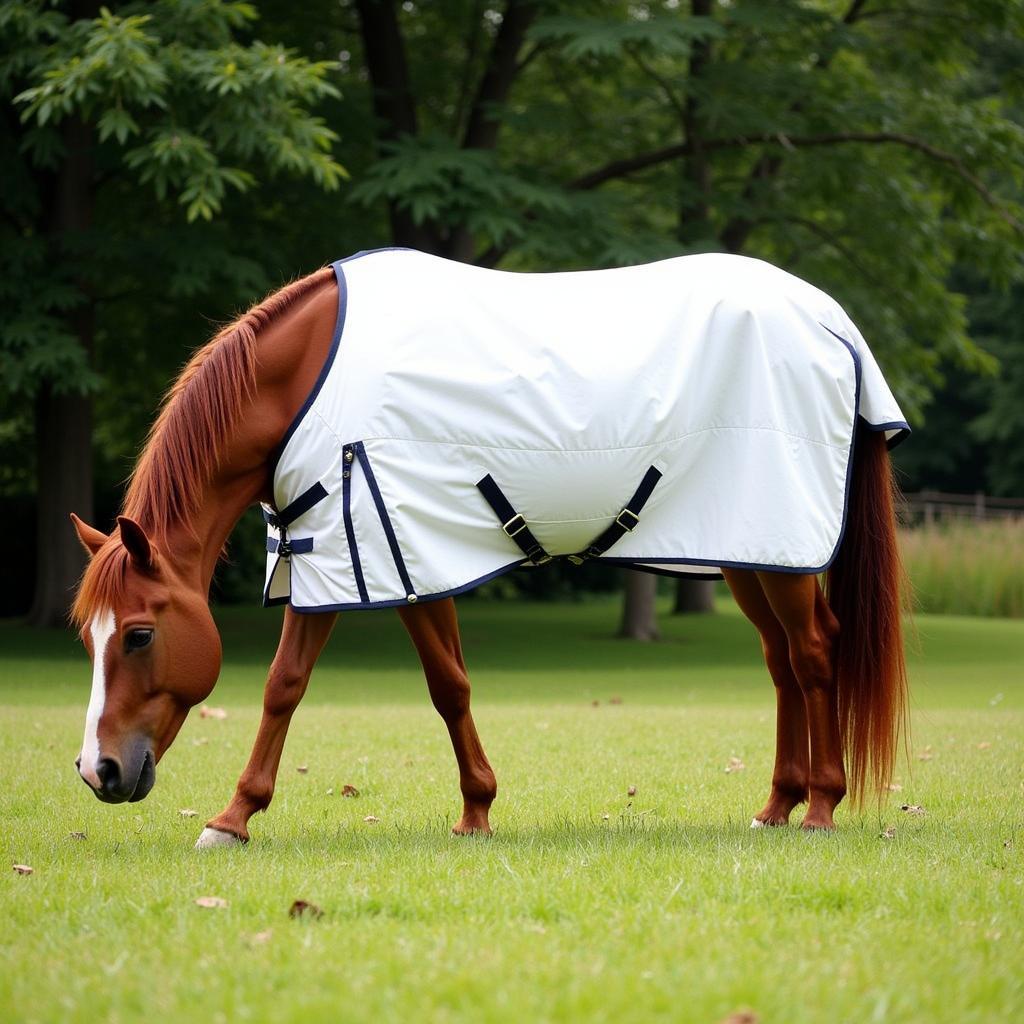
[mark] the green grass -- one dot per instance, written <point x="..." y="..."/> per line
<point x="668" y="909"/>
<point x="967" y="568"/>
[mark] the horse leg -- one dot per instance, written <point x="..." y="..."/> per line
<point x="302" y="639"/>
<point x="434" y="629"/>
<point x="811" y="630"/>
<point x="792" y="756"/>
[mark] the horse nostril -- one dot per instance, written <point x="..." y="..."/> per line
<point x="109" y="773"/>
<point x="78" y="762"/>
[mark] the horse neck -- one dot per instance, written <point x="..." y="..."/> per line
<point x="290" y="354"/>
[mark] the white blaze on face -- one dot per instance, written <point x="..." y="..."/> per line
<point x="101" y="629"/>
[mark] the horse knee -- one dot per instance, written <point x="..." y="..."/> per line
<point x="285" y="688"/>
<point x="449" y="691"/>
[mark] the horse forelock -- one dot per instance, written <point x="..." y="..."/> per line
<point x="103" y="583"/>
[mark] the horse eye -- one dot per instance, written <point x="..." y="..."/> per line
<point x="138" y="638"/>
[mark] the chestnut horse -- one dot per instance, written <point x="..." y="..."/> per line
<point x="835" y="657"/>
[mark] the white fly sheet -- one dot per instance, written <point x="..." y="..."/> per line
<point x="730" y="386"/>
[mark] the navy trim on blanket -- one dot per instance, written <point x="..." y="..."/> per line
<point x="268" y="601"/>
<point x="385" y="521"/>
<point x="339" y="327"/>
<point x="369" y="252"/>
<point x="350" y="532"/>
<point x="399" y="602"/>
<point x="680" y="574"/>
<point x="901" y="427"/>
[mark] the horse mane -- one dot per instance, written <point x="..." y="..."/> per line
<point x="184" y="446"/>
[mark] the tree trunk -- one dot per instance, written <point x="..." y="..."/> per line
<point x="694" y="596"/>
<point x="63" y="418"/>
<point x="64" y="484"/>
<point x="639" y="621"/>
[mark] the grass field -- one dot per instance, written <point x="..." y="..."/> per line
<point x="585" y="905"/>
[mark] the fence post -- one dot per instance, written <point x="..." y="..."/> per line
<point x="979" y="505"/>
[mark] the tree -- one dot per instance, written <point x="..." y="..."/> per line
<point x="167" y="105"/>
<point x="843" y="142"/>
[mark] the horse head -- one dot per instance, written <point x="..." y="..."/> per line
<point x="155" y="654"/>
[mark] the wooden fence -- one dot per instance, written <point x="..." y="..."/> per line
<point x="927" y="507"/>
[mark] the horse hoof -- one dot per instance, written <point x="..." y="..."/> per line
<point x="757" y="823"/>
<point x="211" y="837"/>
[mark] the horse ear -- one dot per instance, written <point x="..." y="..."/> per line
<point x="91" y="538"/>
<point x="134" y="538"/>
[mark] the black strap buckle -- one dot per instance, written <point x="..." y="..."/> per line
<point x="628" y="526"/>
<point x="538" y="556"/>
<point x="515" y="525"/>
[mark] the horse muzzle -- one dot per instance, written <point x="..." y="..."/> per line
<point x="123" y="783"/>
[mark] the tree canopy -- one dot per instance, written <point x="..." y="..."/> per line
<point x="166" y="162"/>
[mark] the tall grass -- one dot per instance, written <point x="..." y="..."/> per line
<point x="961" y="567"/>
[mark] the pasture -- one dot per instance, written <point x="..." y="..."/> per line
<point x="587" y="903"/>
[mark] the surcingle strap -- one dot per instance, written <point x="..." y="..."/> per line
<point x="625" y="522"/>
<point x="512" y="522"/>
<point x="280" y="521"/>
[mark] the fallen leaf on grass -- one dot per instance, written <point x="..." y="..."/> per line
<point x="1007" y="844"/>
<point x="329" y="791"/>
<point x="260" y="938"/>
<point x="734" y="765"/>
<point x="631" y="791"/>
<point x="187" y="812"/>
<point x="207" y="712"/>
<point x="303" y="908"/>
<point x="76" y="835"/>
<point x="926" y="754"/>
<point x="22" y="869"/>
<point x="740" y="1017"/>
<point x="605" y="817"/>
<point x="913" y="809"/>
<point x="348" y="790"/>
<point x="211" y="903"/>
<point x="894" y="787"/>
<point x="595" y="703"/>
<point x="615" y="700"/>
<point x="371" y="819"/>
<point x="889" y="833"/>
<point x="200" y="741"/>
<point x="984" y="745"/>
<point x="302" y="769"/>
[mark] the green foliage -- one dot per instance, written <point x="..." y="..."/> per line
<point x="590" y="36"/>
<point x="176" y="109"/>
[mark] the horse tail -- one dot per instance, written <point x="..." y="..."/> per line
<point x="865" y="587"/>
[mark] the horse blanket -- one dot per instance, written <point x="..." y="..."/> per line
<point x="681" y="416"/>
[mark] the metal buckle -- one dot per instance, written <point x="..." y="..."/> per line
<point x="539" y="559"/>
<point x="576" y="559"/>
<point x="284" y="548"/>
<point x="521" y="525"/>
<point x="628" y="527"/>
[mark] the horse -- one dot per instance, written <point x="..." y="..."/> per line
<point x="832" y="645"/>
